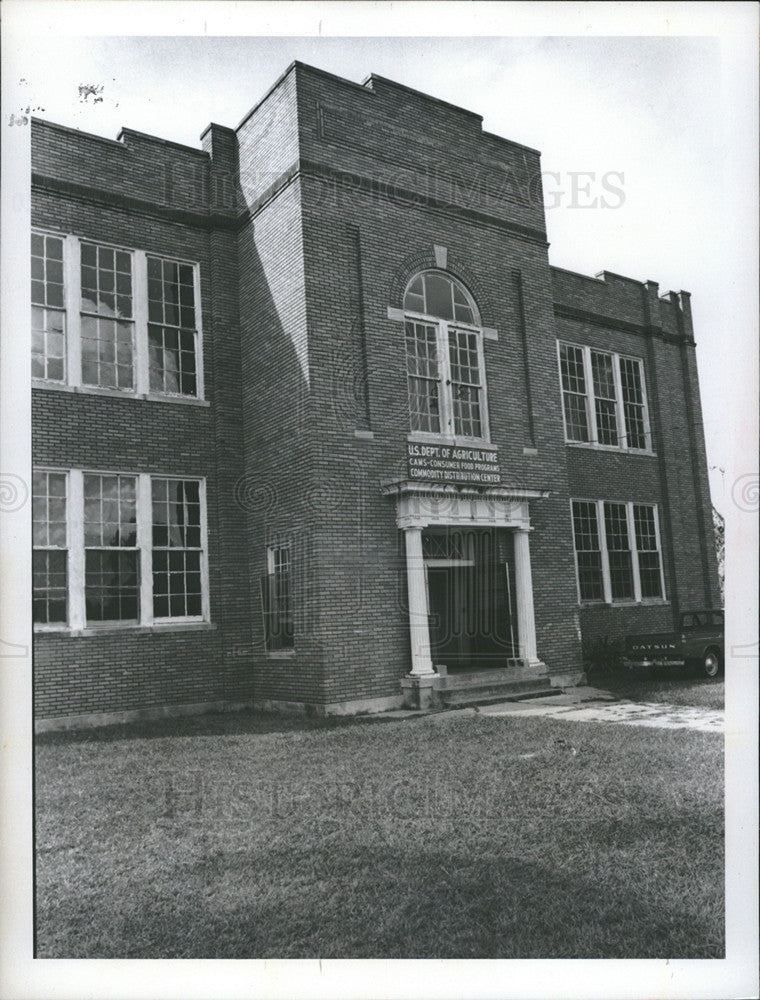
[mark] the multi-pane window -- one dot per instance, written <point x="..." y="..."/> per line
<point x="48" y="308"/>
<point x="617" y="551"/>
<point x="436" y="294"/>
<point x="634" y="406"/>
<point x="603" y="398"/>
<point x="278" y="610"/>
<point x="171" y="327"/>
<point x="574" y="392"/>
<point x="112" y="573"/>
<point x="107" y="318"/>
<point x="113" y="548"/>
<point x="50" y="555"/>
<point x="465" y="382"/>
<point x="444" y="361"/>
<point x="588" y="550"/>
<point x="605" y="405"/>
<point x="648" y="550"/>
<point x="422" y="376"/>
<point x="177" y="548"/>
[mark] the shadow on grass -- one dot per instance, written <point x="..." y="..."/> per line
<point x="472" y="837"/>
<point x="671" y="685"/>
<point x="209" y="724"/>
<point x="385" y="902"/>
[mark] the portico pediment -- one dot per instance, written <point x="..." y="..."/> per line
<point x="420" y="505"/>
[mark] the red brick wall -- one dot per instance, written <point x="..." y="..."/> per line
<point x="278" y="494"/>
<point x="137" y="166"/>
<point x="342" y="192"/>
<point x="132" y="669"/>
<point x="675" y="478"/>
<point x="364" y="627"/>
<point x="399" y="137"/>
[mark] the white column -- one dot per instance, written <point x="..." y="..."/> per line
<point x="526" y="624"/>
<point x="419" y="631"/>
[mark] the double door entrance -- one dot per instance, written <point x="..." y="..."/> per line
<point x="470" y="589"/>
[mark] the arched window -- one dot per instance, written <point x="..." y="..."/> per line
<point x="444" y="358"/>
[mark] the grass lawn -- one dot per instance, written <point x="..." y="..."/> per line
<point x="672" y="686"/>
<point x="445" y="837"/>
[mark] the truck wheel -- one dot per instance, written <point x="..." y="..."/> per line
<point x="711" y="665"/>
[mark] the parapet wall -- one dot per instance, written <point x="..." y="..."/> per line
<point x="421" y="148"/>
<point x="623" y="301"/>
<point x="137" y="167"/>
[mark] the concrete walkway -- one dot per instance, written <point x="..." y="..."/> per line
<point x="585" y="704"/>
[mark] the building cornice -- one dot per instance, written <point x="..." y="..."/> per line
<point x="363" y="184"/>
<point x="612" y="323"/>
<point x="114" y="199"/>
<point x="232" y="221"/>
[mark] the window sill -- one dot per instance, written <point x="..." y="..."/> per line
<point x="117" y="629"/>
<point x="421" y="437"/>
<point x="591" y="446"/>
<point x="651" y="602"/>
<point x="186" y="400"/>
<point x="280" y="654"/>
<point x="87" y="390"/>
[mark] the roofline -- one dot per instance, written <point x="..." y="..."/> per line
<point x="419" y="93"/>
<point x="578" y="274"/>
<point x="123" y="131"/>
<point x="600" y="278"/>
<point x="164" y="142"/>
<point x="513" y="142"/>
<point x="207" y="129"/>
<point x="620" y="277"/>
<point x="271" y="90"/>
<point x="75" y="131"/>
<point x="311" y="69"/>
<point x="365" y="87"/>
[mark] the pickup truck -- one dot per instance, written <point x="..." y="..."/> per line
<point x="698" y="643"/>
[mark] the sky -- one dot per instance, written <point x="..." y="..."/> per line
<point x="657" y="115"/>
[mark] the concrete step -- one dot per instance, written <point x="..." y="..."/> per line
<point x="485" y="694"/>
<point x="491" y="678"/>
<point x="462" y="699"/>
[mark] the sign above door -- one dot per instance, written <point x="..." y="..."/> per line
<point x="452" y="464"/>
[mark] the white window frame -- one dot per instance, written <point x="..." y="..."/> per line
<point x="109" y="622"/>
<point x="445" y="398"/>
<point x="62" y="309"/>
<point x="198" y="335"/>
<point x="94" y="313"/>
<point x="147" y="577"/>
<point x="58" y="626"/>
<point x="73" y="323"/>
<point x="633" y="547"/>
<point x="77" y="620"/>
<point x="622" y="432"/>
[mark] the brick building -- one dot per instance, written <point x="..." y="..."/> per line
<point x="317" y="425"/>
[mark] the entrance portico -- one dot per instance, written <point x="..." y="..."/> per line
<point x="433" y="505"/>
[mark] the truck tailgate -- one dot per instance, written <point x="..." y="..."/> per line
<point x="663" y="645"/>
